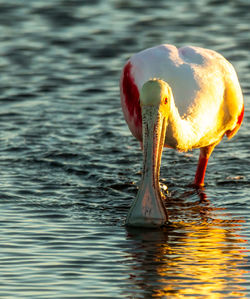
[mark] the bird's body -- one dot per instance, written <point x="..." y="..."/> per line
<point x="205" y="100"/>
<point x="207" y="96"/>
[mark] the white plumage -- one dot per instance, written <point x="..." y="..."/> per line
<point x="202" y="82"/>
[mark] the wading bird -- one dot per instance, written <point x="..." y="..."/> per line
<point x="184" y="99"/>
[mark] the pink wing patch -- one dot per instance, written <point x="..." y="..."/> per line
<point x="230" y="134"/>
<point x="132" y="99"/>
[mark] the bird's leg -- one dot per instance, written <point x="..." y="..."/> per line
<point x="205" y="153"/>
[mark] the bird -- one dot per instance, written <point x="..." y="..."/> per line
<point x="181" y="98"/>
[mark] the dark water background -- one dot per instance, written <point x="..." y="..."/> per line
<point x="69" y="167"/>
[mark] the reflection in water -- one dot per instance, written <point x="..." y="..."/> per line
<point x="194" y="258"/>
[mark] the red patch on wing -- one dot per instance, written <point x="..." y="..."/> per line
<point x="131" y="94"/>
<point x="230" y="134"/>
<point x="240" y="117"/>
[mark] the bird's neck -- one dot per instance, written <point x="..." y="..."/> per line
<point x="181" y="133"/>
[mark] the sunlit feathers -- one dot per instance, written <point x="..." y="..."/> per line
<point x="207" y="99"/>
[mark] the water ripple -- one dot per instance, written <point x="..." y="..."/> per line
<point x="70" y="168"/>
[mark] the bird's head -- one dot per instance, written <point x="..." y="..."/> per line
<point x="148" y="208"/>
<point x="156" y="93"/>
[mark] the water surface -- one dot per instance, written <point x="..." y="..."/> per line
<point x="70" y="168"/>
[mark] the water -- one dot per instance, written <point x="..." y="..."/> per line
<point x="69" y="167"/>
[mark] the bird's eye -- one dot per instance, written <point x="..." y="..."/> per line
<point x="165" y="100"/>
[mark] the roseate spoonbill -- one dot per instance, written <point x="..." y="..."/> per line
<point x="179" y="98"/>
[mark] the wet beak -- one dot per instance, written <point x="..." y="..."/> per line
<point x="148" y="209"/>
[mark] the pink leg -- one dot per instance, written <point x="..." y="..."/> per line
<point x="205" y="153"/>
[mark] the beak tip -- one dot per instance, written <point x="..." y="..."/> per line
<point x="147" y="212"/>
<point x="146" y="222"/>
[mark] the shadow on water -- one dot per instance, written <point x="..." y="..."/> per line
<point x="201" y="255"/>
